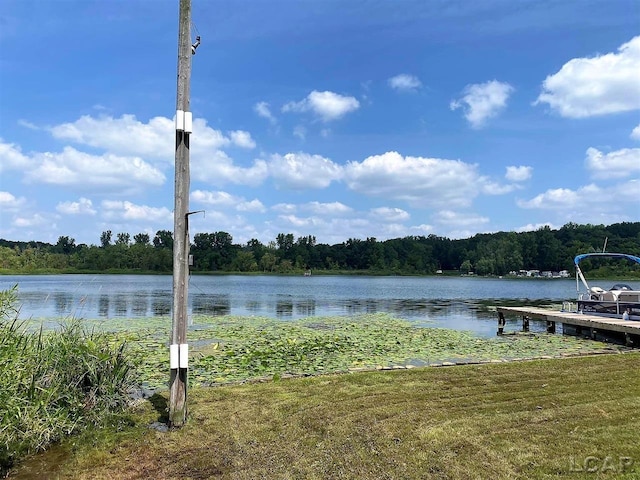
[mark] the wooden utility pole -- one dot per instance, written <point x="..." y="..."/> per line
<point x="179" y="353"/>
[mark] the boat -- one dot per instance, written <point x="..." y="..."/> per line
<point x="620" y="301"/>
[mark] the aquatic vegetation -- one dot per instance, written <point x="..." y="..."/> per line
<point x="226" y="349"/>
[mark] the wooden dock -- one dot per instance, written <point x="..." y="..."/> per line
<point x="593" y="326"/>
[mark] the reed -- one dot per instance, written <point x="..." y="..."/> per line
<point x="55" y="383"/>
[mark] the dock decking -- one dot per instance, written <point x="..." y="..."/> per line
<point x="628" y="331"/>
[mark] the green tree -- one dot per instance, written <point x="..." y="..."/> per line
<point x="551" y="253"/>
<point x="285" y="245"/>
<point x="163" y="239"/>
<point x="245" y="262"/>
<point x="65" y="245"/>
<point x="123" y="238"/>
<point x="257" y="248"/>
<point x="105" y="238"/>
<point x="9" y="258"/>
<point x="466" y="267"/>
<point x="268" y="262"/>
<point x="285" y="266"/>
<point x="141" y="239"/>
<point x="485" y="266"/>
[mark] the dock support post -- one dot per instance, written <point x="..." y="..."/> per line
<point x="501" y="323"/>
<point x="551" y="326"/>
<point x="525" y="323"/>
<point x="594" y="333"/>
<point x="628" y="341"/>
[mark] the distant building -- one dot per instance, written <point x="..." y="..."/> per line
<point x="538" y="273"/>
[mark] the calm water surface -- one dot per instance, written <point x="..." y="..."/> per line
<point x="451" y="302"/>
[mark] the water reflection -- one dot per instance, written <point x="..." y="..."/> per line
<point x="306" y="307"/>
<point x="120" y="305"/>
<point x="284" y="308"/>
<point x="158" y="303"/>
<point x="446" y="301"/>
<point x="103" y="306"/>
<point x="154" y="304"/>
<point x="216" y="305"/>
<point x="63" y="302"/>
<point x="253" y="306"/>
<point x="160" y="306"/>
<point x="140" y="305"/>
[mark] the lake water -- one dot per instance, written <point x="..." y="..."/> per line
<point x="451" y="302"/>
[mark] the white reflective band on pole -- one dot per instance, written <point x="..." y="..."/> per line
<point x="184" y="121"/>
<point x="184" y="355"/>
<point x="174" y="356"/>
<point x="188" y="122"/>
<point x="180" y="120"/>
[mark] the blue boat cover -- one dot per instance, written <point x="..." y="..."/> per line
<point x="579" y="258"/>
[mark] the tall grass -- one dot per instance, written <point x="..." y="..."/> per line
<point x="55" y="383"/>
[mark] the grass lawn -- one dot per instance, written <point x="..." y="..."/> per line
<point x="576" y="417"/>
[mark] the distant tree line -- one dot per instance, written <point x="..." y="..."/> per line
<point x="484" y="254"/>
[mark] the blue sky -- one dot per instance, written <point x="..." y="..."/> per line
<point x="338" y="119"/>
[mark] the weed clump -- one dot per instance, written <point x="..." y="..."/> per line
<point x="54" y="383"/>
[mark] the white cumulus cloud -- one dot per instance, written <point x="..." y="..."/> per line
<point x="12" y="158"/>
<point x="489" y="187"/>
<point x="405" y="83"/>
<point x="74" y="168"/>
<point x="482" y="101"/>
<point x="242" y="139"/>
<point x="217" y="198"/>
<point x="285" y="208"/>
<point x="459" y="219"/>
<point x="124" y="136"/>
<point x="618" y="164"/>
<point x="422" y="182"/>
<point x="35" y="220"/>
<point x="635" y="133"/>
<point x="254" y="205"/>
<point x="388" y="214"/>
<point x="518" y="174"/>
<point x="556" y="198"/>
<point x="227" y="201"/>
<point x="327" y="209"/>
<point x="219" y="169"/>
<point x="327" y="105"/>
<point x="598" y="85"/>
<point x="302" y="170"/>
<point x="83" y="206"/>
<point x="135" y="155"/>
<point x="152" y="141"/>
<point x="590" y="203"/>
<point x="128" y="211"/>
<point x="262" y="109"/>
<point x="10" y="203"/>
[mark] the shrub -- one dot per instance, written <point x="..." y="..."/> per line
<point x="55" y="383"/>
